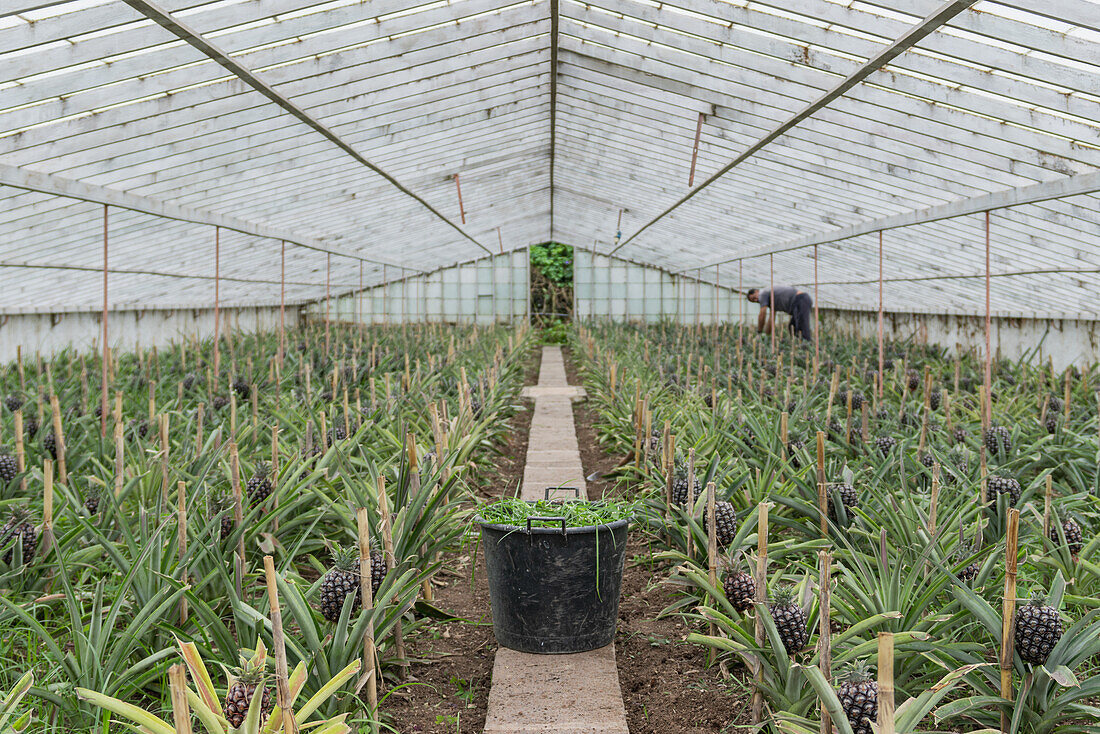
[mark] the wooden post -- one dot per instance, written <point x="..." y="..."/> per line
<point x="368" y="676"/>
<point x="198" y="429"/>
<point x="822" y="493"/>
<point x="47" y="507"/>
<point x="238" y="512"/>
<point x="387" y="544"/>
<point x="104" y="386"/>
<point x="20" y="451"/>
<point x="119" y="455"/>
<point x="59" y="436"/>
<point x="761" y="597"/>
<point x="1008" y="612"/>
<point x="282" y="685"/>
<point x="935" y="500"/>
<point x="181" y="710"/>
<point x="181" y="543"/>
<point x="712" y="553"/>
<point x="824" y="640"/>
<point x="1046" y="506"/>
<point x="885" y="683"/>
<point x="162" y="433"/>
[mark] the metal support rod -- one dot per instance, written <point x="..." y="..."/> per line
<point x="987" y="413"/>
<point x="328" y="300"/>
<point x="217" y="301"/>
<point x="771" y="299"/>
<point x="461" y="208"/>
<point x="282" y="302"/>
<point x="695" y="149"/>
<point x="740" y="306"/>
<point x="881" y="357"/>
<point x="104" y="386"/>
<point x="817" y="319"/>
<point x="359" y="298"/>
<point x="500" y="240"/>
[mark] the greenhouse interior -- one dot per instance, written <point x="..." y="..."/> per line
<point x="549" y="366"/>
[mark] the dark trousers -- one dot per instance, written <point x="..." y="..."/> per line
<point x="801" y="310"/>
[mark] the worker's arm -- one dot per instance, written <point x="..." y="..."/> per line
<point x="762" y="321"/>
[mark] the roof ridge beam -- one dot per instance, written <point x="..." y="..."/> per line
<point x="915" y="35"/>
<point x="1085" y="183"/>
<point x="184" y="32"/>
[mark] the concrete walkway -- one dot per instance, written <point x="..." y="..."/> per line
<point x="564" y="694"/>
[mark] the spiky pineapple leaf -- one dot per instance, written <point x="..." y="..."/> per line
<point x="1063" y="676"/>
<point x="827" y="695"/>
<point x="127" y="710"/>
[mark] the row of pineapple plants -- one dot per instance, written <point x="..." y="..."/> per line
<point x="689" y="407"/>
<point x="134" y="541"/>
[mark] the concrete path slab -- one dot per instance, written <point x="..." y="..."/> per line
<point x="563" y="694"/>
<point x="554" y="694"/>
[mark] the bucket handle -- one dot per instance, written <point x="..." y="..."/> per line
<point x="548" y="490"/>
<point x="546" y="519"/>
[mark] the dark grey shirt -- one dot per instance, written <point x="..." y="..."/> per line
<point x="784" y="298"/>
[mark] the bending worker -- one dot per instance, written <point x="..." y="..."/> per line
<point x="789" y="300"/>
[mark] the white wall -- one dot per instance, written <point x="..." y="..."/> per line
<point x="1066" y="341"/>
<point x="49" y="334"/>
<point x="490" y="289"/>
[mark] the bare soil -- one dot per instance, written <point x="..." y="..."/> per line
<point x="452" y="662"/>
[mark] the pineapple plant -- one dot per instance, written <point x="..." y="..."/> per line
<point x="885" y="444"/>
<point x="243" y="686"/>
<point x="49" y="442"/>
<point x="259" y="485"/>
<point x="964" y="551"/>
<point x="92" y="499"/>
<point x="680" y="485"/>
<point x="343" y="579"/>
<point x="935" y="399"/>
<point x="139" y="428"/>
<point x="912" y="380"/>
<point x="849" y="497"/>
<point x="959" y="435"/>
<point x="997" y="441"/>
<point x="223" y="506"/>
<point x="793" y="447"/>
<point x="740" y="588"/>
<point x="1074" y="537"/>
<point x="858" y="695"/>
<point x="9" y="467"/>
<point x="998" y="485"/>
<point x="1038" y="629"/>
<point x="218" y="402"/>
<point x="188" y="381"/>
<point x="725" y="523"/>
<point x="242" y="388"/>
<point x="30" y="427"/>
<point x="790" y="620"/>
<point x="19" y="530"/>
<point x="13" y="402"/>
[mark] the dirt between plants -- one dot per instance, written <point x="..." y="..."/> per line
<point x="452" y="662"/>
<point x="666" y="685"/>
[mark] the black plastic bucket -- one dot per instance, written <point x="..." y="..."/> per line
<point x="554" y="589"/>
